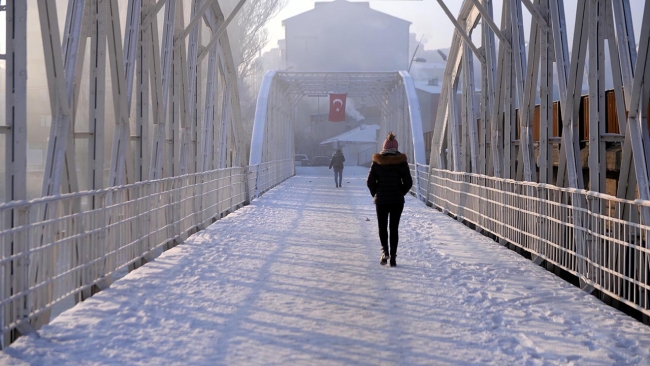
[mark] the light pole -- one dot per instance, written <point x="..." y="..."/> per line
<point x="413" y="56"/>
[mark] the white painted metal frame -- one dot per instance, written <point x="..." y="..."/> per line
<point x="221" y="190"/>
<point x="510" y="88"/>
<point x="73" y="240"/>
<point x="15" y="132"/>
<point x="519" y="89"/>
<point x="394" y="93"/>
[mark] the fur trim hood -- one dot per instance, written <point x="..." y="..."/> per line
<point x="389" y="159"/>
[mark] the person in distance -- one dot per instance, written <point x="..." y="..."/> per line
<point x="337" y="163"/>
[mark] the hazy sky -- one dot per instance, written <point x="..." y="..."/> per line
<point x="428" y="18"/>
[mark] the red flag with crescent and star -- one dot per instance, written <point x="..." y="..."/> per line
<point x="337" y="107"/>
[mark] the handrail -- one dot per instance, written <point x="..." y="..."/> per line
<point x="540" y="218"/>
<point x="45" y="261"/>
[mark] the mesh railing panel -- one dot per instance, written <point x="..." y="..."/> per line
<point x="62" y="251"/>
<point x="597" y="237"/>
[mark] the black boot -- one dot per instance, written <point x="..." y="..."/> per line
<point x="393" y="254"/>
<point x="384" y="256"/>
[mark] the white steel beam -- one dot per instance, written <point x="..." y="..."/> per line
<point x="159" y="144"/>
<point x="487" y="16"/>
<point x="626" y="44"/>
<point x="527" y="109"/>
<point x="597" y="158"/>
<point x="462" y="31"/>
<point x="121" y="140"/>
<point x="617" y="76"/>
<point x="570" y="150"/>
<point x="470" y="124"/>
<point x="498" y="132"/>
<point x="209" y="113"/>
<point x="16" y="274"/>
<point x="525" y="87"/>
<point x="561" y="48"/>
<point x="60" y="87"/>
<point x="637" y="131"/>
<point x="488" y="92"/>
<point x="189" y="129"/>
<point x="628" y="55"/>
<point x="547" y="56"/>
<point x="16" y="106"/>
<point x="440" y="127"/>
<point x="534" y="11"/>
<point x="453" y="127"/>
<point x="224" y="131"/>
<point x="150" y="12"/>
<point x="97" y="104"/>
<point x="131" y="42"/>
<point x="61" y="63"/>
<point x="144" y="61"/>
<point x="221" y="30"/>
<point x="197" y="14"/>
<point x="230" y="77"/>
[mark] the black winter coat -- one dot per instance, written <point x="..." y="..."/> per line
<point x="389" y="179"/>
<point x="337" y="161"/>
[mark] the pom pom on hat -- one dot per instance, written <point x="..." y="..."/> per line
<point x="390" y="142"/>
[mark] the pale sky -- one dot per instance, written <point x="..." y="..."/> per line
<point x="428" y="18"/>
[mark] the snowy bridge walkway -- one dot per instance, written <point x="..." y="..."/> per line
<point x="294" y="278"/>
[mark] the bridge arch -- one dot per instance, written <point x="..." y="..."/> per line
<point x="393" y="92"/>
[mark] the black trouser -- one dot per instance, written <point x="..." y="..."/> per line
<point x="383" y="212"/>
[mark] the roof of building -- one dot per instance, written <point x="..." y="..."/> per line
<point x="431" y="89"/>
<point x="363" y="133"/>
<point x="435" y="89"/>
<point x="344" y="3"/>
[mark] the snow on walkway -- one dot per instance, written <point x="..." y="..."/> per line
<point x="294" y="278"/>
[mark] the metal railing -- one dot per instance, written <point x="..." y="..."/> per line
<point x="265" y="176"/>
<point x="598" y="238"/>
<point x="420" y="180"/>
<point x="62" y="251"/>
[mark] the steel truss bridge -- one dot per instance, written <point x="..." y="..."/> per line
<point x="161" y="87"/>
<point x="393" y="92"/>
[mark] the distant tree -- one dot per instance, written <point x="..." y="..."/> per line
<point x="253" y="37"/>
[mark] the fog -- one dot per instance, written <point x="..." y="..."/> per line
<point x="328" y="41"/>
<point x="428" y="19"/>
<point x="326" y="36"/>
<point x="39" y="114"/>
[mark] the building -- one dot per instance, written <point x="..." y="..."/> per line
<point x="341" y="36"/>
<point x="357" y="144"/>
<point x="346" y="36"/>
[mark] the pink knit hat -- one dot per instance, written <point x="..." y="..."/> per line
<point x="390" y="142"/>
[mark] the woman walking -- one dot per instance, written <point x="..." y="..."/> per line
<point x="337" y="163"/>
<point x="389" y="180"/>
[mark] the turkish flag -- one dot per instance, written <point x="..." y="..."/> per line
<point x="337" y="107"/>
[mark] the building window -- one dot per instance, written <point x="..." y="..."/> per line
<point x="46" y="121"/>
